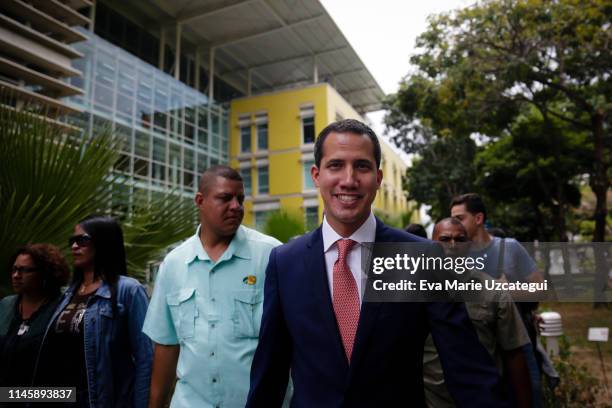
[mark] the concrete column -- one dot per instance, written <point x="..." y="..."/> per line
<point x="92" y="17"/>
<point x="211" y="74"/>
<point x="177" y="54"/>
<point x="315" y="70"/>
<point x="162" y="48"/>
<point x="197" y="69"/>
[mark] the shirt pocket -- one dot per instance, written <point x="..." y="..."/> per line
<point x="182" y="305"/>
<point x="247" y="313"/>
<point x="483" y="312"/>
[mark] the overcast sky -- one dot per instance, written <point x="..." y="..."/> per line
<point x="383" y="33"/>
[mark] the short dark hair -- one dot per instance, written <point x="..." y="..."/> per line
<point x="49" y="263"/>
<point x="346" y="126"/>
<point x="211" y="173"/>
<point x="416" y="229"/>
<point x="473" y="204"/>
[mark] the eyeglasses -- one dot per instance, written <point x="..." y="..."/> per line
<point x="23" y="269"/>
<point x="82" y="240"/>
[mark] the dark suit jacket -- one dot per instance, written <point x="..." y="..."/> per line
<point x="299" y="333"/>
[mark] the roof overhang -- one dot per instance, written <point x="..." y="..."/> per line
<point x="266" y="45"/>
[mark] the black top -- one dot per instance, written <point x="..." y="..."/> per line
<point x="20" y="342"/>
<point x="63" y="355"/>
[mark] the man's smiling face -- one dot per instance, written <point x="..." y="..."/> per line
<point x="347" y="179"/>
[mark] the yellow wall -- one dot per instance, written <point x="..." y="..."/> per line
<point x="283" y="108"/>
<point x="284" y="155"/>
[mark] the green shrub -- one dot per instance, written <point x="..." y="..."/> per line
<point x="284" y="226"/>
<point x="577" y="388"/>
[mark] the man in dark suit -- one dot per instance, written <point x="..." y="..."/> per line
<point x="342" y="353"/>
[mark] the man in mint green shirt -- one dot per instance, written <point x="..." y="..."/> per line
<point x="206" y="307"/>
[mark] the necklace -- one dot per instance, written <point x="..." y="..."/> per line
<point x="25" y="323"/>
<point x="84" y="286"/>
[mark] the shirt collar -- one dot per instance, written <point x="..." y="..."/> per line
<point x="238" y="247"/>
<point x="365" y="233"/>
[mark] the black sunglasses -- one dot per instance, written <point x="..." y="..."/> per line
<point x="82" y="240"/>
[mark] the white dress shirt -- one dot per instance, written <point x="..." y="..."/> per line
<point x="365" y="233"/>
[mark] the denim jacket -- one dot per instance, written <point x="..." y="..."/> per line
<point x="118" y="355"/>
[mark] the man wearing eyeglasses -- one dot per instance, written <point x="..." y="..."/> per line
<point x="497" y="323"/>
<point x="206" y="307"/>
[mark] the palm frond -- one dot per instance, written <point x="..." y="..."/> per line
<point x="51" y="178"/>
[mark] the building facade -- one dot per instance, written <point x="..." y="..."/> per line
<point x="185" y="88"/>
<point x="170" y="131"/>
<point x="272" y="143"/>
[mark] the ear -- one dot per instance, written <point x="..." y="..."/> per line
<point x="314" y="173"/>
<point x="379" y="177"/>
<point x="198" y="199"/>
<point x="479" y="218"/>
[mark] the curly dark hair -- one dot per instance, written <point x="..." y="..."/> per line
<point x="50" y="264"/>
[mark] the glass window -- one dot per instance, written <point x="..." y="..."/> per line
<point x="161" y="122"/>
<point x="159" y="149"/>
<point x="203" y="116"/>
<point x="159" y="173"/>
<point x="125" y="107"/>
<point x="125" y="134"/>
<point x="308" y="130"/>
<point x="175" y="155"/>
<point x="202" y="138"/>
<point x="246" y="181"/>
<point x="202" y="163"/>
<point x="189" y="133"/>
<point x="216" y="143"/>
<point x="188" y="159"/>
<point x="245" y="139"/>
<point x="141" y="147"/>
<point x="143" y="114"/>
<point x="262" y="136"/>
<point x="103" y="98"/>
<point x="127" y="78"/>
<point x="308" y="183"/>
<point x="141" y="167"/>
<point x="161" y="99"/>
<point x="145" y="88"/>
<point x="215" y="122"/>
<point x="312" y="217"/>
<point x="188" y="179"/>
<point x="123" y="163"/>
<point x="175" y="176"/>
<point x="263" y="180"/>
<point x="190" y="114"/>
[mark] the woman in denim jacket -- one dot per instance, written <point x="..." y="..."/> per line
<point x="94" y="341"/>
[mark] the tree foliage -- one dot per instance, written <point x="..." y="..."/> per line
<point x="483" y="69"/>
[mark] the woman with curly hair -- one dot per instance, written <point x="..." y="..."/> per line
<point x="37" y="271"/>
<point x="95" y="334"/>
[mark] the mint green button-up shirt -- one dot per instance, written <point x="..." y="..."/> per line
<point x="213" y="311"/>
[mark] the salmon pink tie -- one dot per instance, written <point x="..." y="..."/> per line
<point x="345" y="297"/>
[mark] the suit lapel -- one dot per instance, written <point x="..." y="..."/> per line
<point x="315" y="266"/>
